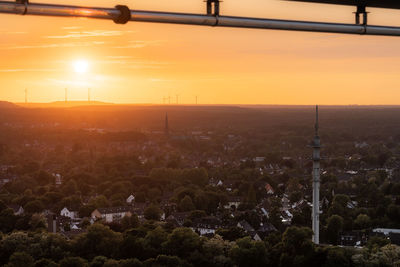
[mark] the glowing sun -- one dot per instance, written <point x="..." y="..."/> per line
<point x="81" y="66"/>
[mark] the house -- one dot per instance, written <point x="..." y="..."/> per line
<point x="59" y="224"/>
<point x="233" y="202"/>
<point x="57" y="179"/>
<point x="269" y="189"/>
<point x="392" y="234"/>
<point x="206" y="225"/>
<point x="301" y="204"/>
<point x="265" y="229"/>
<point x="285" y="202"/>
<point x="111" y="214"/>
<point x="353" y="238"/>
<point x="69" y="213"/>
<point x="323" y="204"/>
<point x="177" y="218"/>
<point x="249" y="230"/>
<point x="130" y="199"/>
<point x="259" y="159"/>
<point x="286" y="217"/>
<point x="18" y="210"/>
<point x="245" y="226"/>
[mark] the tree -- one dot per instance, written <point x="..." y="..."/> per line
<point x="154" y="240"/>
<point x="98" y="261"/>
<point x="129" y="222"/>
<point x="34" y="206"/>
<point x="20" y="259"/>
<point x="99" y="240"/>
<point x="70" y="187"/>
<point x="377" y="242"/>
<point x="297" y="248"/>
<point x="99" y="202"/>
<point x="362" y="221"/>
<point x="73" y="262"/>
<point x="197" y="176"/>
<point x="337" y="257"/>
<point x="166" y="261"/>
<point x="182" y="242"/>
<point x="45" y="263"/>
<point x="43" y="177"/>
<point x="140" y="197"/>
<point x="7" y="220"/>
<point x="333" y="228"/>
<point x="247" y="252"/>
<point x="152" y="212"/>
<point x="232" y="233"/>
<point x="186" y="204"/>
<point x="251" y="198"/>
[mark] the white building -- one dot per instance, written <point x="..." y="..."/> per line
<point x="111" y="214"/>
<point x="130" y="199"/>
<point x="69" y="213"/>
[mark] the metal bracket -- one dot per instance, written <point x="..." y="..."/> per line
<point x="213" y="11"/>
<point x="361" y="11"/>
<point x="24" y="2"/>
<point x="125" y="15"/>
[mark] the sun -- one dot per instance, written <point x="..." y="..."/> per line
<point x="81" y="66"/>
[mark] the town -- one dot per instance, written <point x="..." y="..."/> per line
<point x="229" y="174"/>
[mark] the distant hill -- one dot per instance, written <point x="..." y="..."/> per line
<point x="5" y="104"/>
<point x="63" y="104"/>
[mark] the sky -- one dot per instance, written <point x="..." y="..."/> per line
<point x="146" y="62"/>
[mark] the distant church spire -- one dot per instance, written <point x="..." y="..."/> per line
<point x="166" y="124"/>
<point x="316" y="121"/>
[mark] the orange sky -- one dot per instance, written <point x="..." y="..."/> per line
<point x="142" y="63"/>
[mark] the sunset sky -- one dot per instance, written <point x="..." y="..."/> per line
<point x="143" y="62"/>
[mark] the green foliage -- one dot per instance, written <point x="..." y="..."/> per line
<point x="247" y="252"/>
<point x="45" y="263"/>
<point x="20" y="259"/>
<point x="376" y="242"/>
<point x="297" y="248"/>
<point x="337" y="257"/>
<point x="388" y="255"/>
<point x="186" y="204"/>
<point x="333" y="228"/>
<point x="99" y="240"/>
<point x="166" y="261"/>
<point x="34" y="206"/>
<point x="152" y="212"/>
<point x="362" y="221"/>
<point x="73" y="262"/>
<point x="98" y="261"/>
<point x="129" y="222"/>
<point x="182" y="242"/>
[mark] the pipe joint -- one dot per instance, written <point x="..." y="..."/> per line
<point x="125" y="15"/>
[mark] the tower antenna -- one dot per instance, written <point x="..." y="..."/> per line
<point x="26" y="96"/>
<point x="316" y="145"/>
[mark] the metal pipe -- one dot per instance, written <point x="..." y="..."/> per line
<point x="194" y="19"/>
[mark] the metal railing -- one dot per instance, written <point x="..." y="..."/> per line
<point x="214" y="20"/>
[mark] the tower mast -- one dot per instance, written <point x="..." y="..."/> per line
<point x="316" y="145"/>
